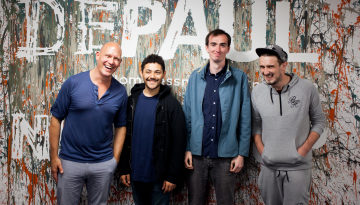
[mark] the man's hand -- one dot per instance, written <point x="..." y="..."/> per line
<point x="188" y="160"/>
<point x="237" y="163"/>
<point x="117" y="159"/>
<point x="308" y="144"/>
<point x="168" y="187"/>
<point x="125" y="179"/>
<point x="302" y="151"/>
<point x="56" y="167"/>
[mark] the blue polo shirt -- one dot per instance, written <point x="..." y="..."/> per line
<point x="212" y="113"/>
<point x="87" y="134"/>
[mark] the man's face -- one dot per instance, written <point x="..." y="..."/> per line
<point x="152" y="75"/>
<point x="218" y="48"/>
<point x="271" y="70"/>
<point x="108" y="59"/>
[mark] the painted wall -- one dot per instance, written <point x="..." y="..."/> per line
<point x="43" y="42"/>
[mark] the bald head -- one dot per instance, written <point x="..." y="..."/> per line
<point x="113" y="45"/>
<point x="108" y="58"/>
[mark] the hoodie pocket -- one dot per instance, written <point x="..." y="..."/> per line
<point x="281" y="152"/>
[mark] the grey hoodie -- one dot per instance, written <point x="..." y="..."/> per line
<point x="285" y="120"/>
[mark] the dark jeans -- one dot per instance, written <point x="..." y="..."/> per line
<point x="149" y="194"/>
<point x="218" y="170"/>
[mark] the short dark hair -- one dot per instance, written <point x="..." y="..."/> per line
<point x="153" y="58"/>
<point x="217" y="32"/>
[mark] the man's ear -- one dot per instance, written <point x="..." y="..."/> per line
<point x="140" y="72"/>
<point x="284" y="66"/>
<point x="97" y="54"/>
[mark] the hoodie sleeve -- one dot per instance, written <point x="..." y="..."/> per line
<point x="256" y="118"/>
<point x="317" y="116"/>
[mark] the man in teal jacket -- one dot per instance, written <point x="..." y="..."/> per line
<point x="218" y="118"/>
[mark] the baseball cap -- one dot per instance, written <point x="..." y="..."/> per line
<point x="273" y="49"/>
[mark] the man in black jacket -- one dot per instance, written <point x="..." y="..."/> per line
<point x="155" y="137"/>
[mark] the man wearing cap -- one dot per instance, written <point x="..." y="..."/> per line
<point x="287" y="121"/>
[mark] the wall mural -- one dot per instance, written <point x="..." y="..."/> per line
<point x="43" y="42"/>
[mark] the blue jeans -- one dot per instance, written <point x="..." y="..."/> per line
<point x="149" y="193"/>
<point x="96" y="176"/>
<point x="218" y="171"/>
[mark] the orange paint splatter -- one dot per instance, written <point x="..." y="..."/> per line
<point x="348" y="136"/>
<point x="248" y="26"/>
<point x="327" y="158"/>
<point x="257" y="76"/>
<point x="332" y="114"/>
<point x="357" y="20"/>
<point x="101" y="16"/>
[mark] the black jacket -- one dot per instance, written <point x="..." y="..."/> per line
<point x="169" y="136"/>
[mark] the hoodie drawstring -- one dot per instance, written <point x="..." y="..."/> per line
<point x="271" y="97"/>
<point x="286" y="175"/>
<point x="272" y="101"/>
<point x="280" y="104"/>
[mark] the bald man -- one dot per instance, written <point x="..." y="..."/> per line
<point x="91" y="103"/>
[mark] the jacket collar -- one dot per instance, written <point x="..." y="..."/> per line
<point x="202" y="71"/>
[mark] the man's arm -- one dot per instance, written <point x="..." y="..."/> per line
<point x="237" y="163"/>
<point x="54" y="132"/>
<point x="187" y="113"/>
<point x="309" y="142"/>
<point x="119" y="139"/>
<point x="256" y="125"/>
<point x="258" y="143"/>
<point x="317" y="119"/>
<point x="177" y="146"/>
<point x="244" y="118"/>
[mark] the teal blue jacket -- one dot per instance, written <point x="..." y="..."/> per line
<point x="235" y="104"/>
